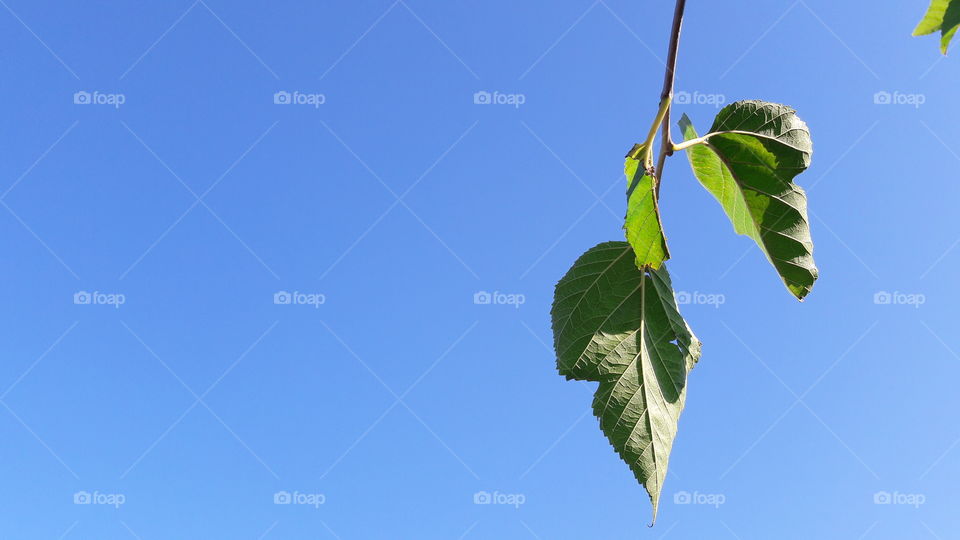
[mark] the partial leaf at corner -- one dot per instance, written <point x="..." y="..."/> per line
<point x="942" y="15"/>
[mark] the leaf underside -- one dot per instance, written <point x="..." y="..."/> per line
<point x="642" y="225"/>
<point x="942" y="15"/>
<point x="620" y="326"/>
<point x="748" y="162"/>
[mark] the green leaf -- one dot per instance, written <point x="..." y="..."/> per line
<point x="642" y="224"/>
<point x="748" y="162"/>
<point x="932" y="19"/>
<point x="619" y="325"/>
<point x="951" y="22"/>
<point x="943" y="15"/>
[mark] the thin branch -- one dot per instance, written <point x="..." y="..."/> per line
<point x="666" y="144"/>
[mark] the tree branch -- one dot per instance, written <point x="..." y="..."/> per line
<point x="666" y="143"/>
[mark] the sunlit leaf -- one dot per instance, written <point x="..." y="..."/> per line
<point x="748" y="162"/>
<point x="642" y="225"/>
<point x="942" y="15"/>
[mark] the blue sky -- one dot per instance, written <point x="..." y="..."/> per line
<point x="148" y="229"/>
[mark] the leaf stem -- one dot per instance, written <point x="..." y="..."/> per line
<point x="666" y="96"/>
<point x="687" y="144"/>
<point x="643" y="149"/>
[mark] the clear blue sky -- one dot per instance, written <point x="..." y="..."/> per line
<point x="397" y="199"/>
